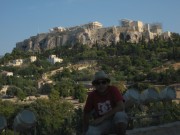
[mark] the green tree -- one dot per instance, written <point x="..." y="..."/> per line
<point x="66" y="87"/>
<point x="46" y="88"/>
<point x="12" y="91"/>
<point x="20" y="94"/>
<point x="30" y="91"/>
<point x="80" y="92"/>
<point x="52" y="115"/>
<point x="54" y="95"/>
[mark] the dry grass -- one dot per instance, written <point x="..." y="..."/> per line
<point x="166" y="66"/>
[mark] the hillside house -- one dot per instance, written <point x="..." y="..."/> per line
<point x="53" y="59"/>
<point x="17" y="62"/>
<point x="33" y="58"/>
<point x="6" y="73"/>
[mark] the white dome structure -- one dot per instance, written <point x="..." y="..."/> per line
<point x="149" y="95"/>
<point x="3" y="123"/>
<point x="24" y="120"/>
<point x="167" y="94"/>
<point x="131" y="97"/>
<point x="132" y="94"/>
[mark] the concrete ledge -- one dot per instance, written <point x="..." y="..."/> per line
<point x="166" y="129"/>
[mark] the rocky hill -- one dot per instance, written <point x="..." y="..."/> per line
<point x="92" y="33"/>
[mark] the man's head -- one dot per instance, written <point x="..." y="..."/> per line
<point x="101" y="81"/>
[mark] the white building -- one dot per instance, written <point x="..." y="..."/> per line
<point x="6" y="73"/>
<point x="138" y="25"/>
<point x="57" y="29"/>
<point x="53" y="59"/>
<point x="93" y="25"/>
<point x="166" y="35"/>
<point x="33" y="58"/>
<point x="125" y="22"/>
<point x="17" y="62"/>
<point x="96" y="24"/>
<point x="156" y="28"/>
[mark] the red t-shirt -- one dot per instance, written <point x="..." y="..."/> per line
<point x="102" y="104"/>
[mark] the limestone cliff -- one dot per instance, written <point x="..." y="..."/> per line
<point x="88" y="34"/>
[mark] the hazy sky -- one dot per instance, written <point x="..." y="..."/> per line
<point x="20" y="19"/>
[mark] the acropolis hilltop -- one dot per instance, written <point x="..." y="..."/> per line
<point x="92" y="33"/>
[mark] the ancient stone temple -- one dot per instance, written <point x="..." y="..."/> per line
<point x="92" y="33"/>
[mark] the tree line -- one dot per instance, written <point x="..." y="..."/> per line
<point x="126" y="63"/>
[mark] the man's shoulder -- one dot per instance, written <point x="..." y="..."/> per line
<point x="113" y="88"/>
<point x="92" y="93"/>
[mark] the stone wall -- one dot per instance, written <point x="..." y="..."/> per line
<point x="166" y="129"/>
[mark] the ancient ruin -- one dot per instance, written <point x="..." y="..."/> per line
<point x="92" y="33"/>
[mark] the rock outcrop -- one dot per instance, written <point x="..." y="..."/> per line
<point x="89" y="34"/>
